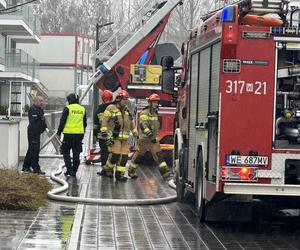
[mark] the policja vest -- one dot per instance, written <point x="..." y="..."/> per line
<point x="74" y="123"/>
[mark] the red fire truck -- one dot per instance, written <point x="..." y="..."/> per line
<point x="238" y="113"/>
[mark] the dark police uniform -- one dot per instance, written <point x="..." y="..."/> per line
<point x="36" y="127"/>
<point x="72" y="125"/>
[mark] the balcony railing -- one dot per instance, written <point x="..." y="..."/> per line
<point x="16" y="60"/>
<point x="24" y="13"/>
<point x="2" y="4"/>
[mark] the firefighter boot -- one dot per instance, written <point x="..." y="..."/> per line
<point x="120" y="172"/>
<point x="164" y="170"/>
<point x="120" y="177"/>
<point x="101" y="172"/>
<point x="108" y="169"/>
<point x="132" y="171"/>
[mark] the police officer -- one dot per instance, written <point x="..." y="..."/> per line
<point x="107" y="98"/>
<point x="72" y="125"/>
<point x="36" y="127"/>
<point x="148" y="129"/>
<point x="117" y="124"/>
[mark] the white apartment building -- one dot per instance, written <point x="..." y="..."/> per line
<point x="65" y="62"/>
<point x="19" y="71"/>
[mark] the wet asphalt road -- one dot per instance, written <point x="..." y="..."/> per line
<point x="170" y="226"/>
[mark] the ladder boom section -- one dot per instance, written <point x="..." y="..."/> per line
<point x="137" y="29"/>
<point x="142" y="32"/>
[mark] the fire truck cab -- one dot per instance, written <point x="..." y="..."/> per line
<point x="238" y="112"/>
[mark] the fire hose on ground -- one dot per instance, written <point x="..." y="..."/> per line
<point x="53" y="194"/>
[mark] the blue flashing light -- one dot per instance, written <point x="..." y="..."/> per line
<point x="277" y="30"/>
<point x="228" y="14"/>
<point x="143" y="57"/>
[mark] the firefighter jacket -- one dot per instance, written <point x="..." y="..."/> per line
<point x="37" y="123"/>
<point x="117" y="122"/>
<point x="98" y="120"/>
<point x="73" y="120"/>
<point x="149" y="124"/>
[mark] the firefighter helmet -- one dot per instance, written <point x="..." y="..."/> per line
<point x="107" y="96"/>
<point x="122" y="94"/>
<point x="153" y="97"/>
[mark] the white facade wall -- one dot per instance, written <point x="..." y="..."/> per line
<point x="66" y="61"/>
<point x="23" y="137"/>
<point x="52" y="50"/>
<point x="59" y="81"/>
<point x="9" y="131"/>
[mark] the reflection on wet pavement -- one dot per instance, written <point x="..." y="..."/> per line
<point x="45" y="228"/>
<point x="170" y="226"/>
<point x="176" y="226"/>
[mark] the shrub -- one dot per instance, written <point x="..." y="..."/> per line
<point x="22" y="191"/>
<point x="3" y="110"/>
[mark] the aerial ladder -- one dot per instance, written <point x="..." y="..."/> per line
<point x="141" y="32"/>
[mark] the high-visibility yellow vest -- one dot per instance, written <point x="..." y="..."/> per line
<point x="74" y="124"/>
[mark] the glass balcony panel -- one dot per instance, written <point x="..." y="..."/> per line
<point x="24" y="13"/>
<point x="2" y="49"/>
<point x="16" y="60"/>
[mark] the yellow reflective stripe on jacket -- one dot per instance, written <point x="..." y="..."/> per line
<point x="124" y="135"/>
<point x="148" y="118"/>
<point x="74" y="123"/>
<point x="144" y="117"/>
<point x="104" y="129"/>
<point x="146" y="130"/>
<point x="100" y="117"/>
<point x="108" y="113"/>
<point x="121" y="169"/>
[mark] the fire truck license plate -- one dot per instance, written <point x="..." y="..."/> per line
<point x="247" y="160"/>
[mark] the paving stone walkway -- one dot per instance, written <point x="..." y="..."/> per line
<point x="169" y="226"/>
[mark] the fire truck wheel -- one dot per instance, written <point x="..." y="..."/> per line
<point x="168" y="156"/>
<point x="200" y="201"/>
<point x="179" y="188"/>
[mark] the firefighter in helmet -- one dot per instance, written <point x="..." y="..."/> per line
<point x="107" y="98"/>
<point x="117" y="123"/>
<point x="148" y="141"/>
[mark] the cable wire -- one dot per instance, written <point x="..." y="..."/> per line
<point x="16" y="6"/>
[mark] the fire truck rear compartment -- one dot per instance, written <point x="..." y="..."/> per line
<point x="287" y="115"/>
<point x="292" y="172"/>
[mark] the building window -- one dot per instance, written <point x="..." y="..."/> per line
<point x="79" y="78"/>
<point x="2" y="49"/>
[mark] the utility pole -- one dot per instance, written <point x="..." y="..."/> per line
<point x="95" y="87"/>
